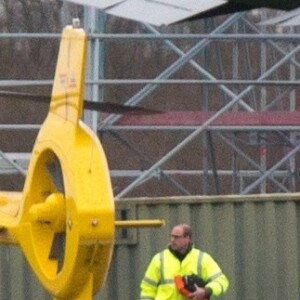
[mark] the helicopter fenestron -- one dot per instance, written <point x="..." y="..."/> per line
<point x="64" y="219"/>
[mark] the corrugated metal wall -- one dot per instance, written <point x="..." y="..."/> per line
<point x="255" y="240"/>
<point x="16" y="279"/>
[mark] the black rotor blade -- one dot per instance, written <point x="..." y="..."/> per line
<point x="57" y="250"/>
<point x="115" y="108"/>
<point x="55" y="173"/>
<point x="25" y="96"/>
<point x="108" y="107"/>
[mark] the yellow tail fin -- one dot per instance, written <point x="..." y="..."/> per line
<point x="67" y="92"/>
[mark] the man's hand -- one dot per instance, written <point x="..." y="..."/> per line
<point x="199" y="294"/>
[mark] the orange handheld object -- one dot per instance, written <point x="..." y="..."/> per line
<point x="181" y="286"/>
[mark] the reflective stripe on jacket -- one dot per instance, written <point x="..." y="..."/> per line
<point x="158" y="282"/>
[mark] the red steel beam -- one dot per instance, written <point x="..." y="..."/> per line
<point x="190" y="118"/>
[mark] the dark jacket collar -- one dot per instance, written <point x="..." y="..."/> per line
<point x="180" y="256"/>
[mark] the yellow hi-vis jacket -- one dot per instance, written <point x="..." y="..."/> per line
<point x="158" y="282"/>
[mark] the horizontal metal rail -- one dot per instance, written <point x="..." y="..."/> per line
<point x="292" y="83"/>
<point x="129" y="37"/>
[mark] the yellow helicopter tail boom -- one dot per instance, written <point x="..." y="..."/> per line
<point x="9" y="208"/>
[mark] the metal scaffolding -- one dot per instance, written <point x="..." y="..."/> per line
<point x="244" y="141"/>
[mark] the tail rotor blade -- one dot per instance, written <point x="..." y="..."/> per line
<point x="57" y="251"/>
<point x="56" y="175"/>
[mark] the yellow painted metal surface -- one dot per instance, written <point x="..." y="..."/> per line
<point x="139" y="223"/>
<point x="67" y="190"/>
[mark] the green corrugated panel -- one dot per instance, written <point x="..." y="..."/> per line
<point x="256" y="241"/>
<point x="17" y="280"/>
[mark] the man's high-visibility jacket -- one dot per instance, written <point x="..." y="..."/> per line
<point x="158" y="282"/>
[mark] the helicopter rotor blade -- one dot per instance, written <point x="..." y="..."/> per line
<point x="107" y="107"/>
<point x="55" y="173"/>
<point x="57" y="251"/>
<point x="110" y="107"/>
